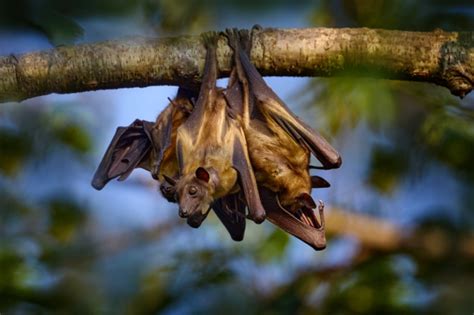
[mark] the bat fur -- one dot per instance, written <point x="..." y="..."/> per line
<point x="279" y="145"/>
<point x="212" y="152"/>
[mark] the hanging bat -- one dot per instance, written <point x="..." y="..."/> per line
<point x="212" y="152"/>
<point x="146" y="145"/>
<point x="151" y="146"/>
<point x="279" y="145"/>
<point x="230" y="213"/>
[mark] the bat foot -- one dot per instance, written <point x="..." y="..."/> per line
<point x="210" y="39"/>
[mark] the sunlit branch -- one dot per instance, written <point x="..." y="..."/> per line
<point x="443" y="58"/>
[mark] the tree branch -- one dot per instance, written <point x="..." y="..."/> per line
<point x="444" y="58"/>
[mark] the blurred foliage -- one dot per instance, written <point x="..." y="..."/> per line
<point x="401" y="15"/>
<point x="420" y="123"/>
<point x="38" y="232"/>
<point x="54" y="260"/>
<point x="59" y="21"/>
<point x="386" y="167"/>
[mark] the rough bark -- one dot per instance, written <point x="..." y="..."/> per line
<point x="443" y="58"/>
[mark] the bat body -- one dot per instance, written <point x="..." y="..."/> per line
<point x="280" y="146"/>
<point x="152" y="146"/>
<point x="280" y="164"/>
<point x="212" y="152"/>
<point x="207" y="173"/>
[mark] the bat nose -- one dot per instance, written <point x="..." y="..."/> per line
<point x="183" y="213"/>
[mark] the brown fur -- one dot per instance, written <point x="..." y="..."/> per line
<point x="211" y="149"/>
<point x="280" y="164"/>
<point x="178" y="110"/>
<point x="212" y="141"/>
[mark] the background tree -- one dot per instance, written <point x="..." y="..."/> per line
<point x="407" y="147"/>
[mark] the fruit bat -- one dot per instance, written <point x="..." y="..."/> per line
<point x="212" y="153"/>
<point x="231" y="207"/>
<point x="151" y="146"/>
<point x="279" y="144"/>
<point x="146" y="145"/>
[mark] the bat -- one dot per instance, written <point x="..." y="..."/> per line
<point x="212" y="153"/>
<point x="151" y="146"/>
<point x="288" y="202"/>
<point x="146" y="145"/>
<point x="279" y="145"/>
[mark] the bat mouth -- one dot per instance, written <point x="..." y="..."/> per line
<point x="195" y="217"/>
<point x="308" y="217"/>
<point x="195" y="220"/>
<point x="301" y="223"/>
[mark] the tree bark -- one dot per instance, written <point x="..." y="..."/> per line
<point x="443" y="58"/>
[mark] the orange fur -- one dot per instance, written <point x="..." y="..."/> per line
<point x="280" y="164"/>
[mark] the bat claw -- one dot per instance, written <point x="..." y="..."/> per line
<point x="232" y="35"/>
<point x="210" y="39"/>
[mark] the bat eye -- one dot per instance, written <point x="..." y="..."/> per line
<point x="192" y="190"/>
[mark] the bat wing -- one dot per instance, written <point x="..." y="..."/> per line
<point x="280" y="217"/>
<point x="208" y="89"/>
<point x="248" y="183"/>
<point x="231" y="212"/>
<point x="270" y="103"/>
<point x="319" y="182"/>
<point x="241" y="159"/>
<point x="161" y="137"/>
<point x="129" y="148"/>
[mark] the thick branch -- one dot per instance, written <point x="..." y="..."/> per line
<point x="439" y="57"/>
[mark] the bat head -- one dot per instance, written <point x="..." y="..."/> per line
<point x="299" y="219"/>
<point x="168" y="188"/>
<point x="195" y="193"/>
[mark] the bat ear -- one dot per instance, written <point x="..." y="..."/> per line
<point x="307" y="201"/>
<point x="202" y="174"/>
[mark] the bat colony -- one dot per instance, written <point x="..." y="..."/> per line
<point x="239" y="151"/>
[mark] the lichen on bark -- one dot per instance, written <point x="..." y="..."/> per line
<point x="443" y="58"/>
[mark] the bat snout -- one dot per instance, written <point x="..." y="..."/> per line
<point x="183" y="213"/>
